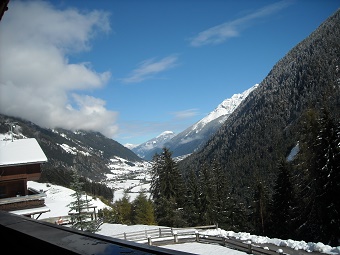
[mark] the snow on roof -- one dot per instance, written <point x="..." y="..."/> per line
<point x="32" y="211"/>
<point x="21" y="151"/>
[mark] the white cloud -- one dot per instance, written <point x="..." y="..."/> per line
<point x="37" y="82"/>
<point x="222" y="32"/>
<point x="185" y="114"/>
<point x="149" y="68"/>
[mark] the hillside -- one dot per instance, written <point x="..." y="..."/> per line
<point x="264" y="128"/>
<point x="91" y="152"/>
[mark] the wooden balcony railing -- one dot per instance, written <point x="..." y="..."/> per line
<point x="22" y="202"/>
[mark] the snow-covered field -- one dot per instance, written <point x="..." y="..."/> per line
<point x="125" y="177"/>
<point x="58" y="198"/>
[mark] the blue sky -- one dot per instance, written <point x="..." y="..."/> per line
<point x="133" y="69"/>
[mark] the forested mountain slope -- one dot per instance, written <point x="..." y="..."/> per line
<point x="265" y="127"/>
<point x="91" y="152"/>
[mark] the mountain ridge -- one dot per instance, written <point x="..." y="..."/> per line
<point x="193" y="137"/>
<point x="266" y="125"/>
<point x="91" y="151"/>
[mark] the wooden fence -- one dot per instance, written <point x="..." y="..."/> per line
<point x="163" y="236"/>
<point x="161" y="233"/>
<point x="245" y="246"/>
<point x="166" y="235"/>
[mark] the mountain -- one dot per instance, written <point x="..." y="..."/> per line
<point x="91" y="152"/>
<point x="130" y="146"/>
<point x="192" y="138"/>
<point x="146" y="150"/>
<point x="265" y="127"/>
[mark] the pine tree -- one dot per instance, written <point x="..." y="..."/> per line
<point x="81" y="218"/>
<point x="108" y="215"/>
<point x="261" y="201"/>
<point x="167" y="190"/>
<point x="307" y="220"/>
<point x="208" y="196"/>
<point x="191" y="208"/>
<point x="143" y="211"/>
<point x="123" y="207"/>
<point x="319" y="179"/>
<point x="282" y="203"/>
<point x="327" y="148"/>
<point x="238" y="218"/>
<point x="222" y="207"/>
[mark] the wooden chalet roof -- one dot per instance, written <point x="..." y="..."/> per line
<point x="20" y="152"/>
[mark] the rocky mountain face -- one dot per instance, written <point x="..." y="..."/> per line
<point x="192" y="138"/>
<point x="265" y="126"/>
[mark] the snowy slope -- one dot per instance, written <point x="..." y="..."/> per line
<point x="129" y="177"/>
<point x="193" y="137"/>
<point x="222" y="110"/>
<point x="121" y="175"/>
<point x="143" y="149"/>
<point x="58" y="198"/>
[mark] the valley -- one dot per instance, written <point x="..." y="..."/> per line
<point x="128" y="177"/>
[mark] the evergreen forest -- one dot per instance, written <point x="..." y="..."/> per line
<point x="302" y="205"/>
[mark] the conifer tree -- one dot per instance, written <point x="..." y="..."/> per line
<point x="167" y="190"/>
<point x="319" y="190"/>
<point x="222" y="207"/>
<point x="327" y="150"/>
<point x="108" y="215"/>
<point x="208" y="196"/>
<point x="261" y="201"/>
<point x="143" y="211"/>
<point x="282" y="203"/>
<point x="192" y="206"/>
<point x="80" y="217"/>
<point x="123" y="207"/>
<point x="307" y="219"/>
<point x="237" y="219"/>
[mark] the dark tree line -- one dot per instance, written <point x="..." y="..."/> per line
<point x="311" y="204"/>
<point x="303" y="203"/>
<point x="201" y="198"/>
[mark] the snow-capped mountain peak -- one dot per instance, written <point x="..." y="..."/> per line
<point x="156" y="142"/>
<point x="190" y="139"/>
<point x="223" y="109"/>
<point x="130" y="146"/>
<point x="165" y="134"/>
